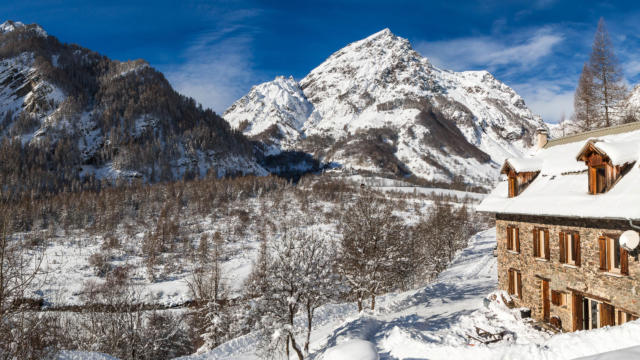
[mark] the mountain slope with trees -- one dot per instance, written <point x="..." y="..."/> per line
<point x="70" y="117"/>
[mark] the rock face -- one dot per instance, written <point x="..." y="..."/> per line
<point x="378" y="106"/>
<point x="102" y="118"/>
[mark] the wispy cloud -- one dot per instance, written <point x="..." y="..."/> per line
<point x="550" y="99"/>
<point x="523" y="60"/>
<point x="491" y="52"/>
<point x="217" y="67"/>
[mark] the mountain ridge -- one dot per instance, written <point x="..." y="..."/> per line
<point x="69" y="116"/>
<point x="378" y="95"/>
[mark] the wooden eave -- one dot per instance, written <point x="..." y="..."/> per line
<point x="506" y="168"/>
<point x="588" y="149"/>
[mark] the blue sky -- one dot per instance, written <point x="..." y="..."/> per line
<point x="216" y="50"/>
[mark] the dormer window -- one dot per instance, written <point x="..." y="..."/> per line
<point x="605" y="164"/>
<point x="520" y="173"/>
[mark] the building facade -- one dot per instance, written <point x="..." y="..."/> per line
<point x="559" y="219"/>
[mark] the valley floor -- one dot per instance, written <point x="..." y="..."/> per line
<point x="434" y="322"/>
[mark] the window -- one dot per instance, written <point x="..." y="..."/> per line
<point x="569" y="244"/>
<point x="597" y="179"/>
<point x="613" y="258"/>
<point x="623" y="317"/>
<point x="515" y="283"/>
<point x="558" y="298"/>
<point x="513" y="238"/>
<point x="541" y="243"/>
<point x="596" y="314"/>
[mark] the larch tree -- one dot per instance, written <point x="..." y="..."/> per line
<point x="607" y="75"/>
<point x="585" y="101"/>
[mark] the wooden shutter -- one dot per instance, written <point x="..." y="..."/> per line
<point x="624" y="261"/>
<point x="577" y="311"/>
<point x="509" y="237"/>
<point x="576" y="248"/>
<point x="556" y="298"/>
<point x="561" y="243"/>
<point x="535" y="242"/>
<point x="592" y="180"/>
<point x="512" y="187"/>
<point x="519" y="283"/>
<point x="510" y="277"/>
<point x="517" y="239"/>
<point x="547" y="253"/>
<point x="607" y="315"/>
<point x="602" y="245"/>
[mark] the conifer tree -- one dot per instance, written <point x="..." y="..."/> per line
<point x="585" y="101"/>
<point x="607" y="76"/>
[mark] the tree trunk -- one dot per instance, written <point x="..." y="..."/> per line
<point x="373" y="301"/>
<point x="309" y="323"/>
<point x="295" y="348"/>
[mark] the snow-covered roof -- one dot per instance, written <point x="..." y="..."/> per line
<point x="523" y="164"/>
<point x="561" y="188"/>
<point x="620" y="152"/>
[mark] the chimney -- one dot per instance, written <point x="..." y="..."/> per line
<point x="541" y="138"/>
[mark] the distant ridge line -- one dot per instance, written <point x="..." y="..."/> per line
<point x="612" y="130"/>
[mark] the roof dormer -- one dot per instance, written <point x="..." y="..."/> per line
<point x="607" y="163"/>
<point x="520" y="173"/>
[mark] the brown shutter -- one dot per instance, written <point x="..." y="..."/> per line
<point x="602" y="245"/>
<point x="547" y="254"/>
<point x="624" y="261"/>
<point x="576" y="247"/>
<point x="509" y="237"/>
<point x="607" y="314"/>
<point x="510" y="281"/>
<point x="563" y="258"/>
<point x="519" y="284"/>
<point x="577" y="311"/>
<point x="517" y="239"/>
<point x="535" y="242"/>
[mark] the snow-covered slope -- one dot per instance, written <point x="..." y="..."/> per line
<point x="435" y="322"/>
<point x="275" y="107"/>
<point x="378" y="105"/>
<point x="115" y="119"/>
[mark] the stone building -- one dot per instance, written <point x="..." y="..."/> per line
<point x="560" y="216"/>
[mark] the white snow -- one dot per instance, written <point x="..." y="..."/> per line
<point x="352" y="350"/>
<point x="619" y="152"/>
<point x="524" y="164"/>
<point x="9" y="26"/>
<point x="626" y="353"/>
<point x="561" y="188"/>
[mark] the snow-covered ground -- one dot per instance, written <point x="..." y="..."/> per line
<point x="435" y="322"/>
<point x="67" y="268"/>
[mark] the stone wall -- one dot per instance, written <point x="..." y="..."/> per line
<point x="620" y="291"/>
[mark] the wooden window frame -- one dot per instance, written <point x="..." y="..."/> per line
<point x="558" y="298"/>
<point x="613" y="257"/>
<point x="570" y="248"/>
<point x="541" y="249"/>
<point x="514" y="279"/>
<point x="513" y="238"/>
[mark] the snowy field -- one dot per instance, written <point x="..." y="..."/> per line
<point x="434" y="323"/>
<point x="67" y="267"/>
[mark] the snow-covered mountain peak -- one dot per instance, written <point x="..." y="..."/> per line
<point x="278" y="108"/>
<point x="10" y="25"/>
<point x="378" y="105"/>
